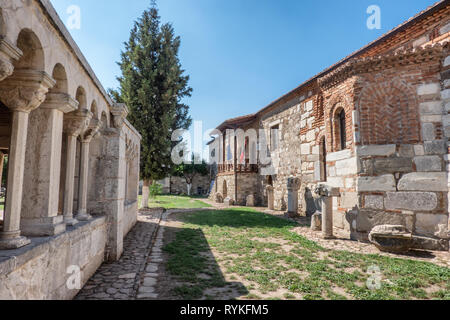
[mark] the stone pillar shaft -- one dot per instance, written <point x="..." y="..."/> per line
<point x="327" y="217"/>
<point x="2" y="162"/>
<point x="42" y="174"/>
<point x="16" y="164"/>
<point x="70" y="180"/>
<point x="83" y="183"/>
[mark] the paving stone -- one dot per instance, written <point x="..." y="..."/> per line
<point x="144" y="289"/>
<point x="116" y="280"/>
<point x="152" y="268"/>
<point x="148" y="282"/>
<point x="147" y="296"/>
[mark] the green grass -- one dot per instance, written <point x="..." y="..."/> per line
<point x="264" y="251"/>
<point x="176" y="202"/>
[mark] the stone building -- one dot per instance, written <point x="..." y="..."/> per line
<point x="177" y="185"/>
<point x="376" y="125"/>
<point x="73" y="158"/>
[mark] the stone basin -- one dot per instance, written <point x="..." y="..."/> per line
<point x="391" y="238"/>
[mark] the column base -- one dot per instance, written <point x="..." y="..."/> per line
<point x="83" y="217"/>
<point x="13" y="243"/>
<point x="70" y="221"/>
<point x="42" y="227"/>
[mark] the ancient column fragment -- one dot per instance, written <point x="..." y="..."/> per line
<point x="293" y="186"/>
<point x="270" y="198"/>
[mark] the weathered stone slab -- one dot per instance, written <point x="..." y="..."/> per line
<point x="428" y="224"/>
<point x="435" y="147"/>
<point x="415" y="201"/>
<point x="367" y="219"/>
<point x="376" y="150"/>
<point x="340" y="155"/>
<point x="374" y="202"/>
<point x="423" y="181"/>
<point x="349" y="199"/>
<point x="391" y="238"/>
<point x="391" y="165"/>
<point x="335" y="182"/>
<point x="380" y="183"/>
<point x="431" y="107"/>
<point x="429" y="88"/>
<point x="428" y="163"/>
<point x="428" y="132"/>
<point x="347" y="166"/>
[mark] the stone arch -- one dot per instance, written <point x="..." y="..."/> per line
<point x="60" y="76"/>
<point x="104" y="120"/>
<point x="94" y="110"/>
<point x="80" y="96"/>
<point x="389" y="113"/>
<point x="33" y="53"/>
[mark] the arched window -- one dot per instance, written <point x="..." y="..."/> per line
<point x="342" y="130"/>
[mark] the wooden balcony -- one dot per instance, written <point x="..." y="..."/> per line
<point x="240" y="168"/>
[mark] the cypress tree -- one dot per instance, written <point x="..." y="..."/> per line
<point x="153" y="85"/>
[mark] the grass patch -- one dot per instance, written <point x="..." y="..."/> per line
<point x="264" y="251"/>
<point x="176" y="202"/>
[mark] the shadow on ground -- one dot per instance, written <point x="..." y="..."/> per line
<point x="190" y="270"/>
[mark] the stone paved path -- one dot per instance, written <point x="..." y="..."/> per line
<point x="121" y="280"/>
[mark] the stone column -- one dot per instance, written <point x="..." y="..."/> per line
<point x="2" y="162"/>
<point x="42" y="175"/>
<point x="21" y="93"/>
<point x="74" y="124"/>
<point x="327" y="217"/>
<point x="293" y="186"/>
<point x="270" y="198"/>
<point x="86" y="138"/>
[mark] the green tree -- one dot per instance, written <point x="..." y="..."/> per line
<point x="153" y="85"/>
<point x="189" y="171"/>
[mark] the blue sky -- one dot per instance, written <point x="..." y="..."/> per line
<point x="240" y="54"/>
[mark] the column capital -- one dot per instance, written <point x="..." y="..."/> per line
<point x="25" y="90"/>
<point x="77" y="122"/>
<point x="91" y="131"/>
<point x="60" y="101"/>
<point x="120" y="112"/>
<point x="8" y="51"/>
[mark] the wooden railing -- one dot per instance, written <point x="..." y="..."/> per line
<point x="240" y="168"/>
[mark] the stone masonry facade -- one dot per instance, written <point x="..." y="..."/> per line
<point x="73" y="159"/>
<point x="375" y="125"/>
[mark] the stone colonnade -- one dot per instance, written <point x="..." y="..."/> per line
<point x="41" y="118"/>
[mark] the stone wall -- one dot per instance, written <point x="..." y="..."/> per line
<point x="39" y="271"/>
<point x="179" y="186"/>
